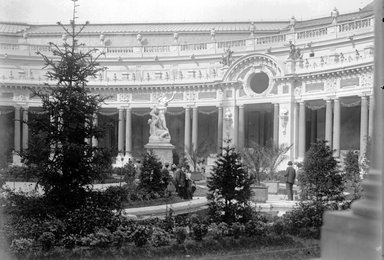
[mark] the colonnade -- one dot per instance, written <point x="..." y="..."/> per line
<point x="333" y="124"/>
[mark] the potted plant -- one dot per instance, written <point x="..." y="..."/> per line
<point x="262" y="161"/>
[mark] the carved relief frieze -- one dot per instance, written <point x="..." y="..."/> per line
<point x="21" y="98"/>
<point x="366" y="80"/>
<point x="298" y="91"/>
<point x="190" y="96"/>
<point x="124" y="97"/>
<point x="330" y="84"/>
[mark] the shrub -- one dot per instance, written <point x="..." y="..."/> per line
<point x="169" y="222"/>
<point x="181" y="234"/>
<point x="160" y="237"/>
<point x="69" y="241"/>
<point x="115" y="196"/>
<point x="88" y="219"/>
<point x="21" y="246"/>
<point x="47" y="240"/>
<point x="123" y="233"/>
<point x="256" y="226"/>
<point x="306" y="219"/>
<point x="237" y="229"/>
<point x="152" y="179"/>
<point x="199" y="231"/>
<point x="141" y="235"/>
<point x="278" y="227"/>
<point x="352" y="174"/>
<point x="101" y="238"/>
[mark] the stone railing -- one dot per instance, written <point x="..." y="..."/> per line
<point x="312" y="33"/>
<point x="231" y="44"/>
<point x="251" y="44"/>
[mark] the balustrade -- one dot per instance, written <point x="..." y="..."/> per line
<point x="231" y="44"/>
<point x="312" y="33"/>
<point x="331" y="31"/>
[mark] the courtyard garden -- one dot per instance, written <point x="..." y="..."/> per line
<point x="70" y="220"/>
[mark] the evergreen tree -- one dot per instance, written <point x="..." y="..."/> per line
<point x="152" y="179"/>
<point x="60" y="146"/>
<point x="321" y="180"/>
<point x="229" y="188"/>
<point x="352" y="173"/>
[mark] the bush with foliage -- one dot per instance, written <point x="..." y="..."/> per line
<point x="229" y="189"/>
<point x="180" y="234"/>
<point x="21" y="246"/>
<point x="160" y="237"/>
<point x="237" y="229"/>
<point x="152" y="180"/>
<point x="199" y="230"/>
<point x="257" y="226"/>
<point x="306" y="219"/>
<point x="352" y="174"/>
<point x="321" y="179"/>
<point x="141" y="235"/>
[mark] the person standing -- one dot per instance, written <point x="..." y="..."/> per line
<point x="180" y="182"/>
<point x="290" y="175"/>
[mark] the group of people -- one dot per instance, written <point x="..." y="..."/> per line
<point x="181" y="180"/>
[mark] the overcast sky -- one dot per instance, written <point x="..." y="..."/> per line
<point x="109" y="11"/>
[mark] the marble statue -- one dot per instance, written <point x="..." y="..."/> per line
<point x="158" y="129"/>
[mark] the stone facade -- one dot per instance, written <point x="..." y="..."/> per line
<point x="264" y="93"/>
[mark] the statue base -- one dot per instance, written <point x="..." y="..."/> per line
<point x="121" y="160"/>
<point x="163" y="151"/>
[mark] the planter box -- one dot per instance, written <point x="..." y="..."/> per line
<point x="273" y="186"/>
<point x="260" y="193"/>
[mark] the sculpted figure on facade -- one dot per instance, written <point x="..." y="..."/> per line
<point x="294" y="53"/>
<point x="227" y="57"/>
<point x="158" y="129"/>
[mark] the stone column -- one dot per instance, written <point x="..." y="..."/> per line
<point x="120" y="144"/>
<point x="95" y="142"/>
<point x="17" y="135"/>
<point x="296" y="122"/>
<point x="336" y="127"/>
<point x="276" y="124"/>
<point x="363" y="125"/>
<point x="261" y="127"/>
<point x="219" y="128"/>
<point x="25" y="128"/>
<point x="328" y="122"/>
<point x="301" y="130"/>
<point x="241" y="126"/>
<point x="128" y="132"/>
<point x="194" y="128"/>
<point x="187" y="130"/>
<point x="370" y="121"/>
<point x="236" y="126"/>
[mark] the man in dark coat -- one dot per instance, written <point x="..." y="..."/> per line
<point x="290" y="174"/>
<point x="180" y="182"/>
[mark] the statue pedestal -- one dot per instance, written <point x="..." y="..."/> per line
<point x="163" y="151"/>
<point x="16" y="160"/>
